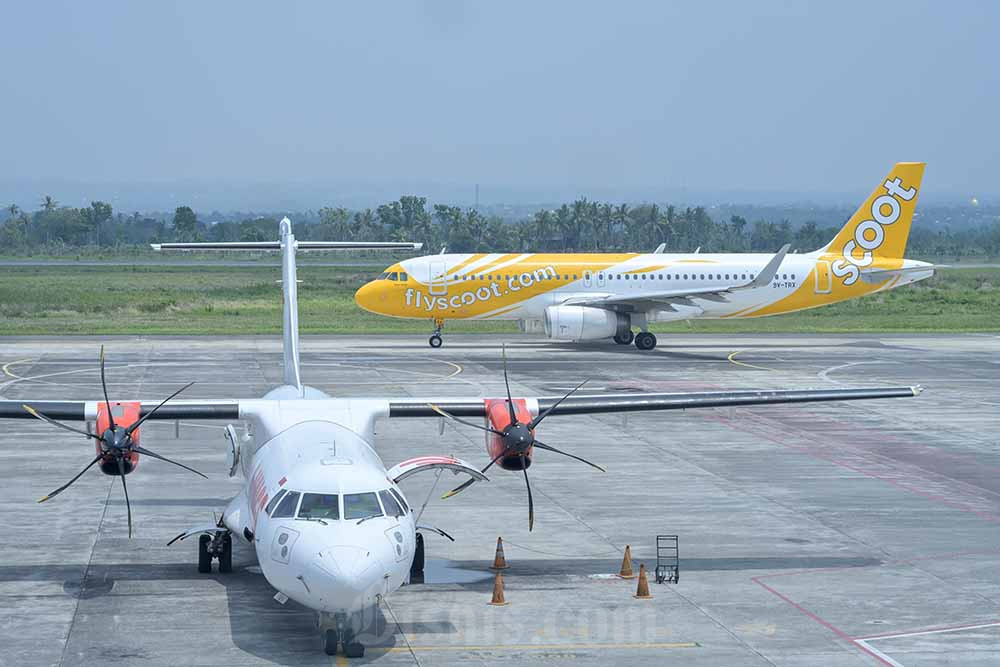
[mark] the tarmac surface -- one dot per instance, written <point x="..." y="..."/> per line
<point x="858" y="533"/>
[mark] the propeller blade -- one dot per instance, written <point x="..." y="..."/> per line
<point x="146" y="452"/>
<point x="469" y="482"/>
<point x="149" y="414"/>
<point x="35" y="413"/>
<point x="542" y="445"/>
<point x="462" y="421"/>
<point x="510" y="401"/>
<point x="128" y="505"/>
<point x="537" y="420"/>
<point x="104" y="386"/>
<point x="531" y="504"/>
<point x="65" y="486"/>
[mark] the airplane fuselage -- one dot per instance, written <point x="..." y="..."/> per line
<point x="336" y="539"/>
<point x="522" y="286"/>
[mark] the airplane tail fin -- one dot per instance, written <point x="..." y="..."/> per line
<point x="287" y="244"/>
<point x="880" y="227"/>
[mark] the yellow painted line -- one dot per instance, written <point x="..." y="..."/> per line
<point x="732" y="358"/>
<point x="341" y="660"/>
<point x="7" y="371"/>
<point x="540" y="647"/>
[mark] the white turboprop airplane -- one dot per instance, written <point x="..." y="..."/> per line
<point x="327" y="519"/>
<point x="594" y="296"/>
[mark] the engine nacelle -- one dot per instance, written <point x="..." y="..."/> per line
<point x="125" y="414"/>
<point x="583" y="323"/>
<point x="498" y="417"/>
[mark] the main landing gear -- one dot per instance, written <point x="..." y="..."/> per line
<point x="221" y="547"/>
<point x="435" y="339"/>
<point x="625" y="339"/>
<point x="645" y="341"/>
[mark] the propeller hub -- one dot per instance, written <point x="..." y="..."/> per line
<point x="517" y="438"/>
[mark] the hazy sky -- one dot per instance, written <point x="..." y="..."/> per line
<point x="804" y="97"/>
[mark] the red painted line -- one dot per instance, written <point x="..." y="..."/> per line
<point x="281" y="482"/>
<point x="826" y="624"/>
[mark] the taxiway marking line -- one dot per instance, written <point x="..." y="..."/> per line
<point x="732" y="358"/>
<point x="539" y="647"/>
<point x="932" y="631"/>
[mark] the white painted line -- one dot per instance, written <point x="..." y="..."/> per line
<point x="866" y="643"/>
<point x="882" y="656"/>
<point x="825" y="374"/>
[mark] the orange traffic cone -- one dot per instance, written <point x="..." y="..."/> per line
<point x="498" y="599"/>
<point x="499" y="562"/>
<point x="642" y="590"/>
<point x="626" y="571"/>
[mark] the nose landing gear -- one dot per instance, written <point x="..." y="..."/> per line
<point x="435" y="339"/>
<point x="220" y="546"/>
<point x="337" y="629"/>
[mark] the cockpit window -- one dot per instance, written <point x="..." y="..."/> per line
<point x="392" y="507"/>
<point x="403" y="277"/>
<point x="398" y="496"/>
<point x="383" y="275"/>
<point x="319" y="506"/>
<point x="286" y="508"/>
<point x="361" y="505"/>
<point x="274" y="501"/>
<point x="393" y="276"/>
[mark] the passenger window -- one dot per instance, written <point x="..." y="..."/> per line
<point x="361" y="505"/>
<point x="398" y="496"/>
<point x="392" y="507"/>
<point x="319" y="506"/>
<point x="286" y="508"/>
<point x="274" y="501"/>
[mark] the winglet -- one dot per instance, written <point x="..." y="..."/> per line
<point x="767" y="274"/>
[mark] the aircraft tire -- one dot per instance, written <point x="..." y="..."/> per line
<point x="204" y="558"/>
<point x="226" y="557"/>
<point x="330" y="641"/>
<point x="435" y="341"/>
<point x="352" y="647"/>
<point x="645" y="341"/>
<point x="624" y="340"/>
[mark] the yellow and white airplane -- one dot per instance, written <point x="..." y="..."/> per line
<point x="596" y="296"/>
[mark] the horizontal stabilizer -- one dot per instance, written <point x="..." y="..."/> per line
<point x="299" y="245"/>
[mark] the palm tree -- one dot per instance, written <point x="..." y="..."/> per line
<point x="13" y="210"/>
<point x="49" y="204"/>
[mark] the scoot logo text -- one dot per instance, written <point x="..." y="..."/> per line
<point x="492" y="290"/>
<point x="870" y="234"/>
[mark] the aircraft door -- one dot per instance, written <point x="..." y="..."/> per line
<point x="436" y="280"/>
<point x="588" y="279"/>
<point x="600" y="278"/>
<point x="824" y="281"/>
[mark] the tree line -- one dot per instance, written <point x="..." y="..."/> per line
<point x="580" y="226"/>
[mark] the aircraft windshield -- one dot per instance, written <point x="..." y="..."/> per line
<point x="286" y="508"/>
<point x="392" y="507"/>
<point x="319" y="506"/>
<point x="361" y="505"/>
<point x="383" y="275"/>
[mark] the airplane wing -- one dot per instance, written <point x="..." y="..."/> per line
<point x="666" y="299"/>
<point x="597" y="403"/>
<point x="87" y="410"/>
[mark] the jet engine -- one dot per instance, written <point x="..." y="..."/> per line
<point x="584" y="323"/>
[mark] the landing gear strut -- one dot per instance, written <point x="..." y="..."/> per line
<point x="221" y="547"/>
<point x="435" y="339"/>
<point x="338" y="629"/>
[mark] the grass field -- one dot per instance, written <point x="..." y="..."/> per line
<point x="246" y="300"/>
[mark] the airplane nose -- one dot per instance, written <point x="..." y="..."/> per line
<point x="345" y="577"/>
<point x="366" y="296"/>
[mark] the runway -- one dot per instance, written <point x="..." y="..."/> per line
<point x="861" y="533"/>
